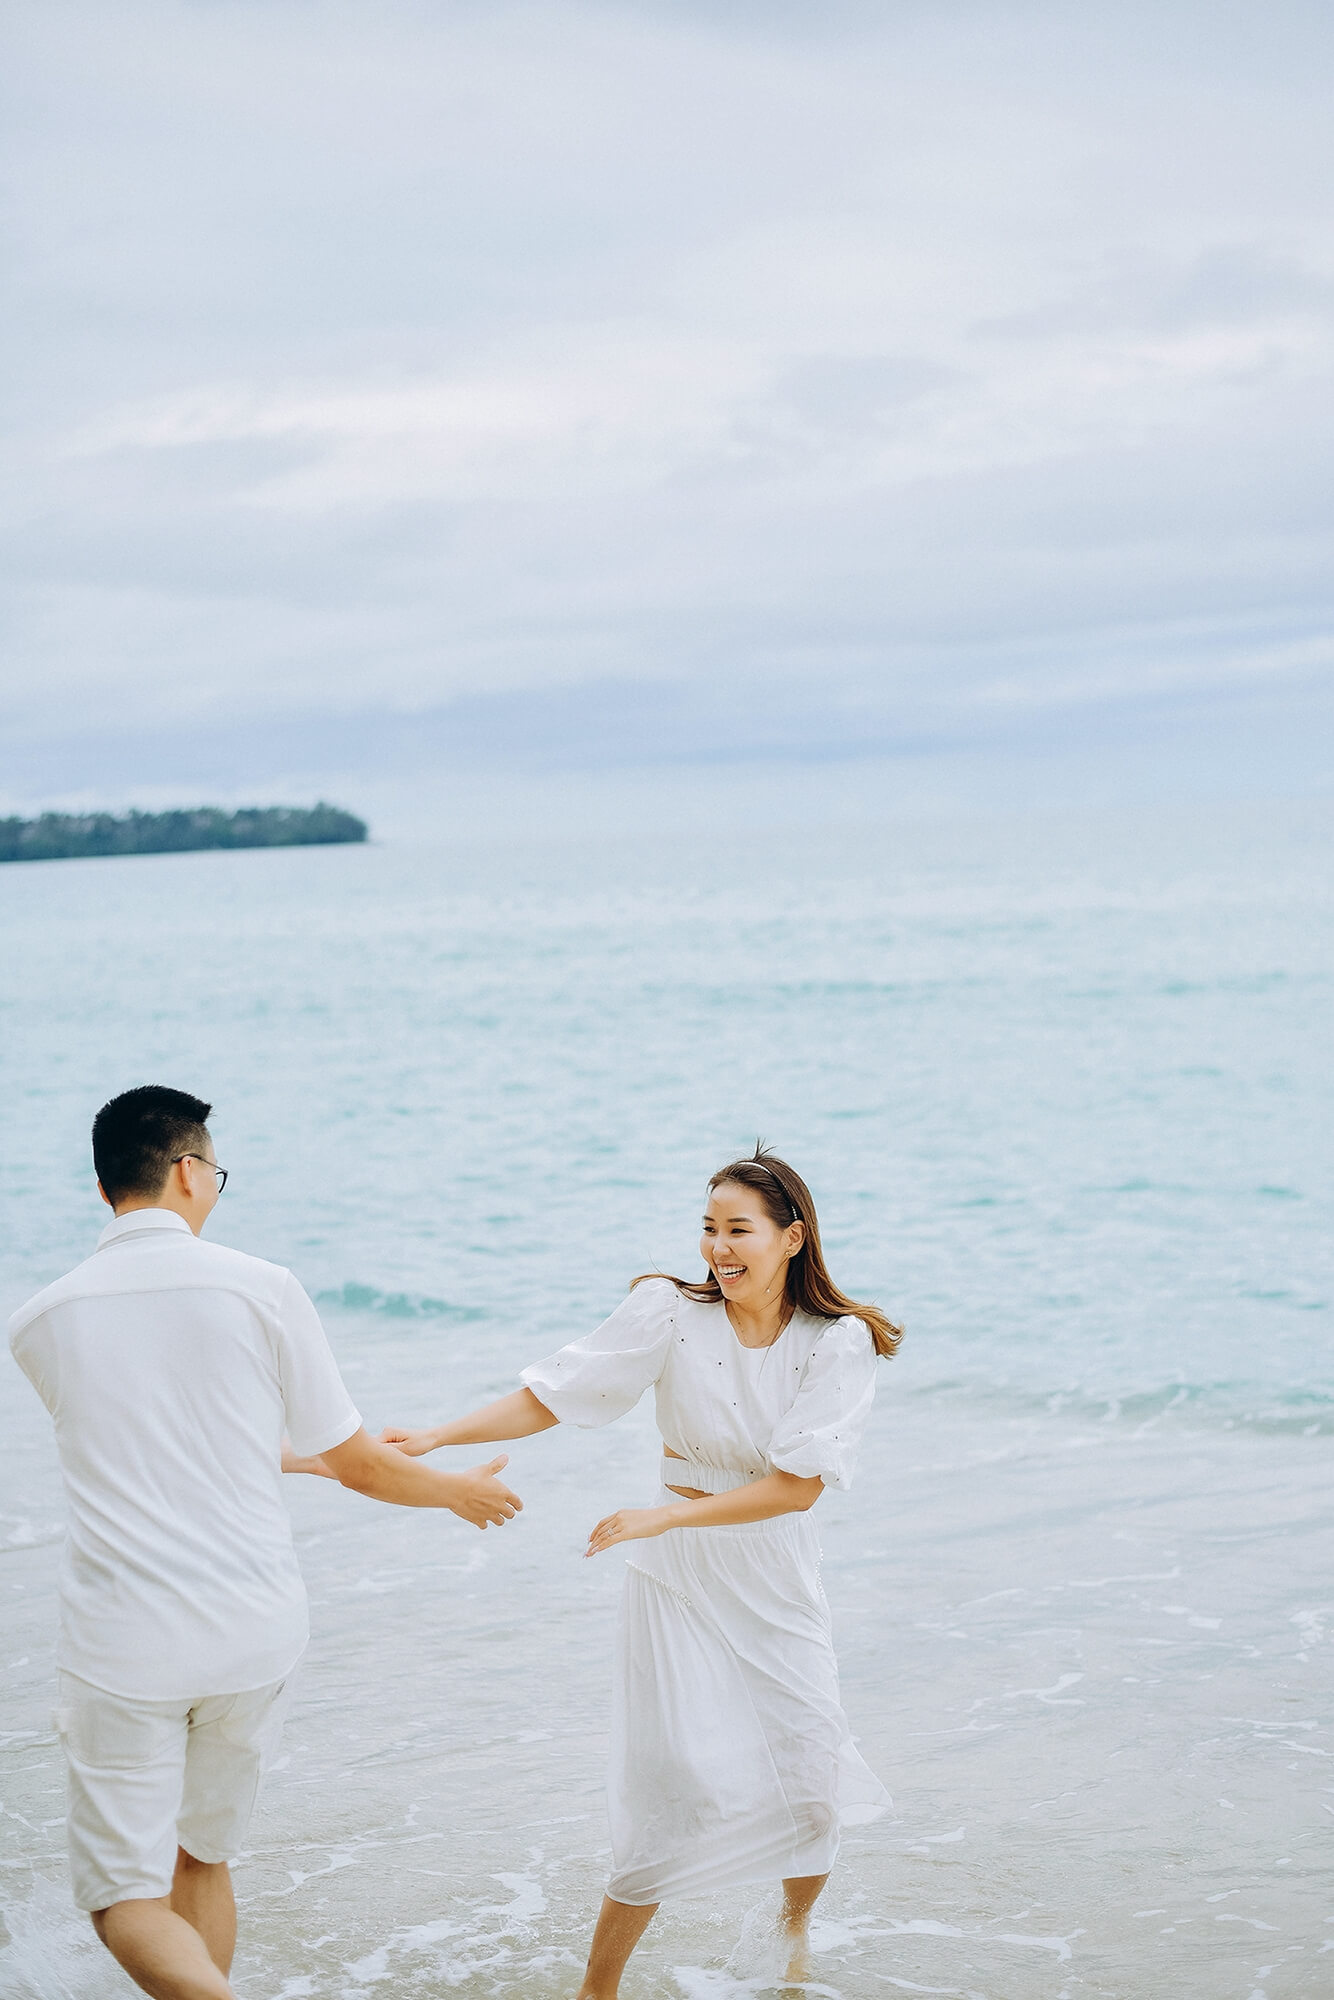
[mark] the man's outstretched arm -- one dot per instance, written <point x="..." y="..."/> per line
<point x="382" y="1473"/>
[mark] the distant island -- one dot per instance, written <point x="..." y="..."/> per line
<point x="76" y="836"/>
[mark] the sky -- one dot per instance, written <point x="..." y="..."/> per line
<point x="449" y="397"/>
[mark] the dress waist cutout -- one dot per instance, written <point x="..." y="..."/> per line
<point x="705" y="1478"/>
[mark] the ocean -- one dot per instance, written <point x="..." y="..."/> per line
<point x="1061" y="1085"/>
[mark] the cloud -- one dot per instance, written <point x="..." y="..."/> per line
<point x="964" y="366"/>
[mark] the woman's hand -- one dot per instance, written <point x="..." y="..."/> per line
<point x="630" y="1524"/>
<point x="518" y="1415"/>
<point x="415" y="1443"/>
<point x="293" y="1462"/>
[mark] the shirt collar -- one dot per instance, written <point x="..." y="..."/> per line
<point x="139" y="1221"/>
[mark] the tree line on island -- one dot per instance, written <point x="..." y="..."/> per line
<point x="77" y="836"/>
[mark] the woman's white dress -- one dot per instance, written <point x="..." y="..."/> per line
<point x="731" y="1759"/>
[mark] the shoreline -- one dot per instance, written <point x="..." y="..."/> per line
<point x="1086" y="1665"/>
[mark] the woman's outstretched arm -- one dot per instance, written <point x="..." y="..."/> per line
<point x="519" y="1415"/>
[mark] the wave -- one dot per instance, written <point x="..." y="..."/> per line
<point x="352" y="1297"/>
<point x="1252" y="1407"/>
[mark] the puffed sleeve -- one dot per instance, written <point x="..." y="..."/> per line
<point x="817" y="1438"/>
<point x="600" y="1377"/>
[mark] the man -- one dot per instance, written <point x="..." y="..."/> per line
<point x="171" y="1368"/>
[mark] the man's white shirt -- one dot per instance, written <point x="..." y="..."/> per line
<point x="171" y="1367"/>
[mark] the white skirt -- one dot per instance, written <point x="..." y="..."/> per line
<point x="731" y="1759"/>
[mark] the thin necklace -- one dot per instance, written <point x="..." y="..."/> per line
<point x="763" y="1345"/>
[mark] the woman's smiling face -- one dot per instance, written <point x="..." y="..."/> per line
<point x="744" y="1247"/>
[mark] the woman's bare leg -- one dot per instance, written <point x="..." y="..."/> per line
<point x="619" y="1929"/>
<point x="799" y="1894"/>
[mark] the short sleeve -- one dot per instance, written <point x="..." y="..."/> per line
<point x="599" y="1378"/>
<point x="25" y="1350"/>
<point x="817" y="1438"/>
<point x="319" y="1411"/>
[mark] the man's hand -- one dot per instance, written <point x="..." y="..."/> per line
<point x="415" y="1443"/>
<point x="482" y="1498"/>
<point x="383" y="1473"/>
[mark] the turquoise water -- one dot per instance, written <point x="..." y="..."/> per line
<point x="1062" y="1089"/>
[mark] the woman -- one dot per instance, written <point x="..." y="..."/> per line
<point x="731" y="1759"/>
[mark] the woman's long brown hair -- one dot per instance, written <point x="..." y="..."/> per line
<point x="787" y="1199"/>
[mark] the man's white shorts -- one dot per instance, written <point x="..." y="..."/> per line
<point x="148" y="1776"/>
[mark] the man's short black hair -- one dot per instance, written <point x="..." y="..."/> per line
<point x="137" y="1135"/>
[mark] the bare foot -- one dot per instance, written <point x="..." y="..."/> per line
<point x="799" y="1953"/>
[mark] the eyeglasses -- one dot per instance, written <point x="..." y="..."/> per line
<point x="221" y="1172"/>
